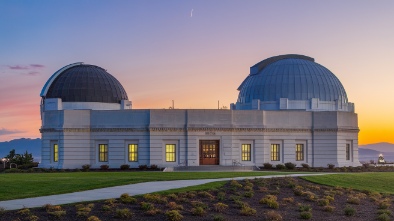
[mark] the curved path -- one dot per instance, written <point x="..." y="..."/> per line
<point x="115" y="192"/>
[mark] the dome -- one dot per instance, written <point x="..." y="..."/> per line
<point x="80" y="82"/>
<point x="295" y="77"/>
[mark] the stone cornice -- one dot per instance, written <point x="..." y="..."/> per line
<point x="197" y="129"/>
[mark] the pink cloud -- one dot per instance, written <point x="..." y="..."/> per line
<point x="4" y="131"/>
<point x="33" y="73"/>
<point x="18" y="67"/>
<point x="37" y="65"/>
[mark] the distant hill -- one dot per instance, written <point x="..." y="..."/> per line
<point x="371" y="152"/>
<point x="32" y="146"/>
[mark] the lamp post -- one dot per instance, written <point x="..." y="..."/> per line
<point x="5" y="160"/>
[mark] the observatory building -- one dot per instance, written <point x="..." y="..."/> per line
<point x="289" y="109"/>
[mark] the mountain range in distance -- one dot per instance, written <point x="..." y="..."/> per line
<point x="366" y="152"/>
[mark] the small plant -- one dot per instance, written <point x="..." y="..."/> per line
<point x="248" y="211"/>
<point x="86" y="167"/>
<point x="146" y="206"/>
<point x="298" y="190"/>
<point x="127" y="199"/>
<point x="84" y="210"/>
<point x="288" y="200"/>
<point x="353" y="200"/>
<point x="24" y="212"/>
<point x="154" y="167"/>
<point x="309" y="195"/>
<point x="280" y="166"/>
<point x="330" y="166"/>
<point x="218" y="217"/>
<point x="220" y="207"/>
<point x="123" y="213"/>
<point x="172" y="196"/>
<point x="267" y="166"/>
<point x="381" y="211"/>
<point x="329" y="198"/>
<point x="323" y="202"/>
<point x="304" y="208"/>
<point x="104" y="167"/>
<point x="249" y="194"/>
<point x="221" y="196"/>
<point x="143" y="167"/>
<point x="270" y="201"/>
<point x="305" y="165"/>
<point x="124" y="167"/>
<point x="199" y="204"/>
<point x="198" y="211"/>
<point x="273" y="216"/>
<point x="329" y="208"/>
<point x="110" y="202"/>
<point x="153" y="212"/>
<point x="384" y="204"/>
<point x="206" y="195"/>
<point x="106" y="208"/>
<point x="349" y="211"/>
<point x="93" y="218"/>
<point x="174" y="215"/>
<point x="235" y="183"/>
<point x="384" y="217"/>
<point x="290" y="165"/>
<point x="155" y="198"/>
<point x="173" y="205"/>
<point x="306" y="215"/>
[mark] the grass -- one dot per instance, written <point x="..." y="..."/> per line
<point x="380" y="182"/>
<point x="24" y="185"/>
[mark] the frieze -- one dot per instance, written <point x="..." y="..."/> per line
<point x="207" y="130"/>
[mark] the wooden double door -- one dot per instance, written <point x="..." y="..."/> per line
<point x="209" y="152"/>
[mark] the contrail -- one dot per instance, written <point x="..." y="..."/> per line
<point x="191" y="14"/>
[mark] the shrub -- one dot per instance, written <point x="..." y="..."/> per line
<point x="58" y="213"/>
<point x="86" y="167"/>
<point x="353" y="200"/>
<point x="146" y="206"/>
<point x="249" y="194"/>
<point x="309" y="195"/>
<point x="270" y="201"/>
<point x="349" y="211"/>
<point x="384" y="217"/>
<point x="267" y="166"/>
<point x="93" y="218"/>
<point x="110" y="202"/>
<point x="381" y="211"/>
<point x="273" y="216"/>
<point x="155" y="198"/>
<point x="126" y="198"/>
<point x="199" y="204"/>
<point x="24" y="212"/>
<point x="84" y="210"/>
<point x="221" y="196"/>
<point x="174" y="215"/>
<point x="206" y="195"/>
<point x="173" y="205"/>
<point x="198" y="211"/>
<point x="152" y="212"/>
<point x="104" y="167"/>
<point x="143" y="167"/>
<point x="323" y="202"/>
<point x="220" y="207"/>
<point x="304" y="208"/>
<point x="218" y="218"/>
<point x="384" y="204"/>
<point x="329" y="198"/>
<point x="124" y="167"/>
<point x="280" y="166"/>
<point x="235" y="183"/>
<point x="106" y="208"/>
<point x="330" y="166"/>
<point x="329" y="208"/>
<point x="123" y="213"/>
<point x="154" y="167"/>
<point x="306" y="215"/>
<point x="290" y="165"/>
<point x="288" y="200"/>
<point x="248" y="211"/>
<point x="305" y="165"/>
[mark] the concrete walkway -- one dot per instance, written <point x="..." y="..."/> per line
<point x="115" y="192"/>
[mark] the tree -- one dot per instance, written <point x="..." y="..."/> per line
<point x="20" y="159"/>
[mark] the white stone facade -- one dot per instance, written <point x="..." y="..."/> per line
<point x="324" y="136"/>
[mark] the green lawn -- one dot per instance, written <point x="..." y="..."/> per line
<point x="24" y="185"/>
<point x="382" y="182"/>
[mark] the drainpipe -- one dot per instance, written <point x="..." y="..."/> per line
<point x="313" y="139"/>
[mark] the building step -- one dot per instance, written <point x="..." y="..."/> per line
<point x="212" y="168"/>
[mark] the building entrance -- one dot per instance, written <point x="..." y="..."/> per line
<point x="209" y="152"/>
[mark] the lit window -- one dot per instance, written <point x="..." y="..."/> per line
<point x="170" y="153"/>
<point x="347" y="151"/>
<point x="55" y="153"/>
<point x="103" y="152"/>
<point x="246" y="152"/>
<point x="299" y="152"/>
<point x="133" y="152"/>
<point x="275" y="151"/>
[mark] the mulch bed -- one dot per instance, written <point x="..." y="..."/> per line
<point x="292" y="196"/>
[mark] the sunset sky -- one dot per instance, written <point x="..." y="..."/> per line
<point x="194" y="52"/>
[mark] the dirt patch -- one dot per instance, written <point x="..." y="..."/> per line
<point x="255" y="199"/>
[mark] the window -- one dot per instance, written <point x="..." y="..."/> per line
<point x="299" y="152"/>
<point x="347" y="151"/>
<point x="275" y="151"/>
<point x="133" y="152"/>
<point x="246" y="152"/>
<point x="170" y="153"/>
<point x="55" y="153"/>
<point x="103" y="152"/>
